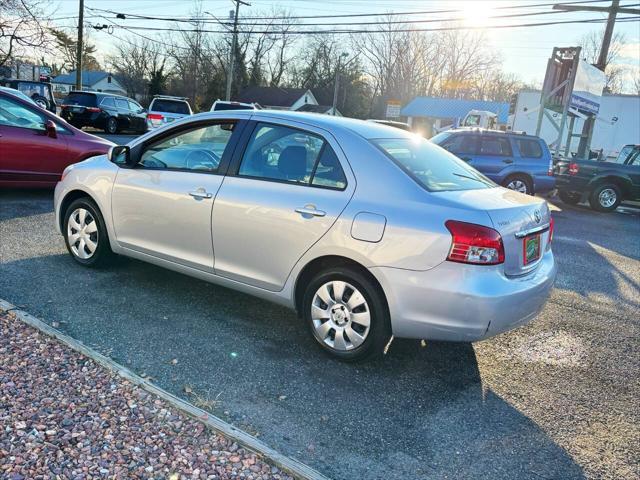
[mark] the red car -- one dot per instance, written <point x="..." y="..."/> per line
<point x="36" y="146"/>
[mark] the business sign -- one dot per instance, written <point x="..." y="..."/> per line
<point x="393" y="108"/>
<point x="587" y="88"/>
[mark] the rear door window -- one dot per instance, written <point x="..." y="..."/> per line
<point x="529" y="148"/>
<point x="277" y="152"/>
<point x="495" y="146"/>
<point x="108" y="102"/>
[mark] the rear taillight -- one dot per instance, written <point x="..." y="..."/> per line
<point x="474" y="244"/>
<point x="573" y="169"/>
<point x="154" y="116"/>
<point x="551" y="223"/>
<point x="92" y="109"/>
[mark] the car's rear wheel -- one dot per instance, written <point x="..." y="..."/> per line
<point x="570" y="198"/>
<point x="112" y="126"/>
<point x="347" y="314"/>
<point x="86" y="235"/>
<point x="519" y="183"/>
<point x="605" y="197"/>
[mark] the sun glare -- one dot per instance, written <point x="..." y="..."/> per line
<point x="477" y="13"/>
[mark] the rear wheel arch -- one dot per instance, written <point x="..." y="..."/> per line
<point x="326" y="262"/>
<point x="622" y="183"/>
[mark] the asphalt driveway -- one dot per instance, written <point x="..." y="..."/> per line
<point x="554" y="399"/>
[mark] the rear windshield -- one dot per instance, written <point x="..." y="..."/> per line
<point x="431" y="166"/>
<point x="84" y="99"/>
<point x="229" y="106"/>
<point x="171" y="106"/>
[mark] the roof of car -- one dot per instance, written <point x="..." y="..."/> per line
<point x="487" y="131"/>
<point x="104" y="94"/>
<point x="327" y="122"/>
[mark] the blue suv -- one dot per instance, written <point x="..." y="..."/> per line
<point x="514" y="160"/>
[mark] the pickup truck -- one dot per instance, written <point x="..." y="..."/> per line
<point x="603" y="184"/>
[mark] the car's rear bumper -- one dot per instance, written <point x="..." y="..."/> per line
<point x="544" y="183"/>
<point x="457" y="302"/>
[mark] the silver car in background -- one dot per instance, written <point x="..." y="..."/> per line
<point x="367" y="231"/>
<point x="165" y="109"/>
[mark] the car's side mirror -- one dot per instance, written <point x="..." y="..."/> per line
<point x="50" y="128"/>
<point x="121" y="155"/>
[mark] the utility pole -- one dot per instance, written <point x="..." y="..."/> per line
<point x="337" y="82"/>
<point x="234" y="43"/>
<point x="79" y="51"/>
<point x="613" y="10"/>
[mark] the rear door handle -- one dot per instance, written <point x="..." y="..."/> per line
<point x="507" y="160"/>
<point x="310" y="211"/>
<point x="200" y="193"/>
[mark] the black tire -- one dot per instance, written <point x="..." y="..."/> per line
<point x="111" y="127"/>
<point x="380" y="324"/>
<point x="102" y="255"/>
<point x="41" y="101"/>
<point x="523" y="179"/>
<point x="605" y="197"/>
<point x="570" y="198"/>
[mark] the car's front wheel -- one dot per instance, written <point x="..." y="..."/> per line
<point x="86" y="235"/>
<point x="347" y="314"/>
<point x="605" y="197"/>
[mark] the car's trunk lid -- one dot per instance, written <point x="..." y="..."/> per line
<point x="516" y="217"/>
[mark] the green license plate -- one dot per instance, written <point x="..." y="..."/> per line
<point x="531" y="249"/>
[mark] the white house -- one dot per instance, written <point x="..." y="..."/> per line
<point x="95" y="81"/>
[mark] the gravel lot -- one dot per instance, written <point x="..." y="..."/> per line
<point x="554" y="399"/>
<point x="64" y="416"/>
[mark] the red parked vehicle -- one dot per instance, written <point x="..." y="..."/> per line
<point x="36" y="146"/>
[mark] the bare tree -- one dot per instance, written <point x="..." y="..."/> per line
<point x="591" y="43"/>
<point x="23" y="25"/>
<point x="144" y="62"/>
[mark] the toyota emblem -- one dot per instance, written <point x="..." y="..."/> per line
<point x="537" y="216"/>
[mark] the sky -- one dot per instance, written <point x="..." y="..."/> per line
<point x="524" y="51"/>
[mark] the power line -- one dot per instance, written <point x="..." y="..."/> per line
<point x="370" y="31"/>
<point x="350" y="15"/>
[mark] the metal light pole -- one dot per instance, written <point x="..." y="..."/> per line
<point x="79" y="50"/>
<point x="234" y="43"/>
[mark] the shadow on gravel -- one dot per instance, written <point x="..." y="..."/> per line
<point x="19" y="203"/>
<point x="417" y="413"/>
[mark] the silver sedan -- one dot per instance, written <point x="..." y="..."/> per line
<point x="368" y="231"/>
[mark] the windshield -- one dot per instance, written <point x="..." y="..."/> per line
<point x="432" y="167"/>
<point x="171" y="106"/>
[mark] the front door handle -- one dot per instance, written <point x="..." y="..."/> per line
<point x="507" y="160"/>
<point x="200" y="193"/>
<point x="311" y="211"/>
